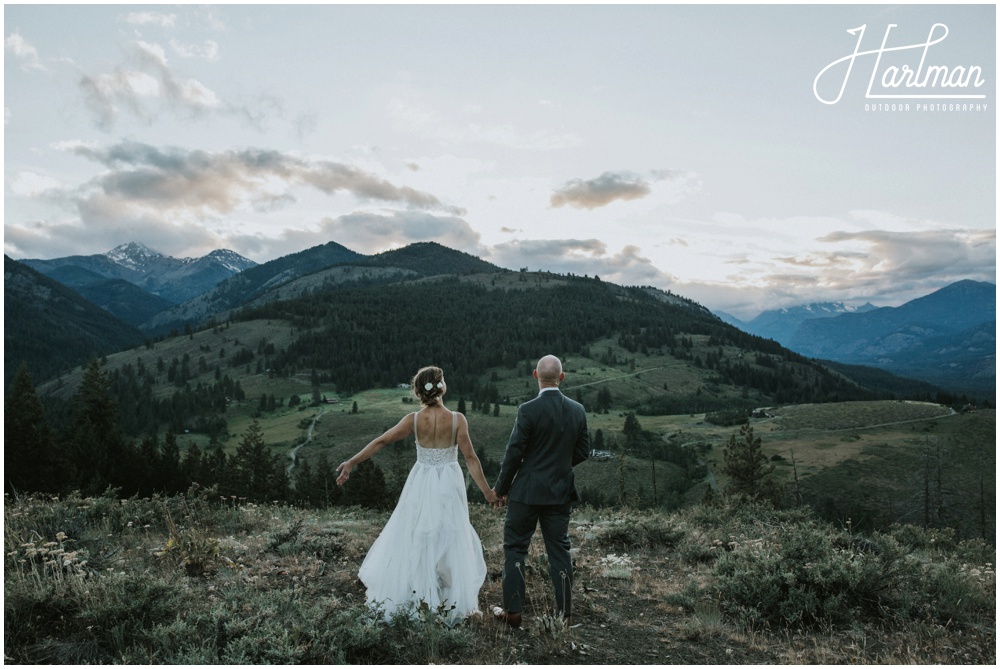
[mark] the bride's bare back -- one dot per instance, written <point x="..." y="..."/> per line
<point x="434" y="425"/>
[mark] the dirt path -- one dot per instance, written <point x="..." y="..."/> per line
<point x="294" y="454"/>
<point x="595" y="383"/>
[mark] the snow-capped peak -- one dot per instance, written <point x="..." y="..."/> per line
<point x="231" y="260"/>
<point x="132" y="255"/>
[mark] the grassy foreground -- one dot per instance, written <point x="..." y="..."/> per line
<point x="196" y="579"/>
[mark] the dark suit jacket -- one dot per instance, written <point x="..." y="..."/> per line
<point x="549" y="438"/>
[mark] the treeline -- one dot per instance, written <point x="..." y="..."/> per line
<point x="92" y="454"/>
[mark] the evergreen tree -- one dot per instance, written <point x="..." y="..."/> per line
<point x="31" y="461"/>
<point x="192" y="467"/>
<point x="632" y="430"/>
<point x="95" y="442"/>
<point x="170" y="474"/>
<point x="747" y="467"/>
<point x="328" y="493"/>
<point x="367" y="486"/>
<point x="149" y="466"/>
<point x="598" y="444"/>
<point x="258" y="474"/>
<point x="305" y="485"/>
<point x="461" y="405"/>
<point x="217" y="472"/>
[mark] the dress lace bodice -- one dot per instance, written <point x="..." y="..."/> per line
<point x="437" y="456"/>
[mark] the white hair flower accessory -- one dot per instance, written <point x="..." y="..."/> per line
<point x="429" y="385"/>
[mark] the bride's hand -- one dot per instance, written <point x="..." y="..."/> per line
<point x="491" y="497"/>
<point x="345" y="472"/>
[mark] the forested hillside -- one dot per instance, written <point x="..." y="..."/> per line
<point x="373" y="337"/>
<point x="49" y="328"/>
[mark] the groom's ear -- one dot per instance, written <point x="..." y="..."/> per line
<point x="534" y="373"/>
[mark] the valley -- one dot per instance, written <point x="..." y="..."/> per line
<point x="876" y="449"/>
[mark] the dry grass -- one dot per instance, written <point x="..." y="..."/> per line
<point x="83" y="584"/>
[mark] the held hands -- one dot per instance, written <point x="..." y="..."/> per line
<point x="495" y="500"/>
<point x="344" y="468"/>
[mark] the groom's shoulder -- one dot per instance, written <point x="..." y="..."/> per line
<point x="573" y="403"/>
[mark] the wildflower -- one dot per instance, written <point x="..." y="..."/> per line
<point x="61" y="536"/>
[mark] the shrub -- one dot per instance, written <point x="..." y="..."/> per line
<point x="639" y="533"/>
<point x="802" y="578"/>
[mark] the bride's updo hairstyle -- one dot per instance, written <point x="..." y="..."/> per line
<point x="428" y="385"/>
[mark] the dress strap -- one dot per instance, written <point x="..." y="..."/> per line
<point x="415" y="437"/>
<point x="454" y="428"/>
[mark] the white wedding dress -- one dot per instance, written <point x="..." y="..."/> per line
<point x="428" y="552"/>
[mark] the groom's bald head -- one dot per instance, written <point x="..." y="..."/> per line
<point x="549" y="371"/>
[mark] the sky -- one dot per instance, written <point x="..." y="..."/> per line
<point x="744" y="156"/>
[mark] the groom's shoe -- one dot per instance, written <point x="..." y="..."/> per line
<point x="512" y="619"/>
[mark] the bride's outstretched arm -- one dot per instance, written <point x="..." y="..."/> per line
<point x="472" y="460"/>
<point x="402" y="429"/>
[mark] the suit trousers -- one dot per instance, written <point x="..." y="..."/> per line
<point x="519" y="527"/>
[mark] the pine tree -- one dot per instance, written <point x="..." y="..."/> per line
<point x="149" y="466"/>
<point x="95" y="442"/>
<point x="31" y="462"/>
<point x="192" y="466"/>
<point x="632" y="429"/>
<point x="170" y="476"/>
<point x="258" y="474"/>
<point x="327" y="491"/>
<point x="367" y="486"/>
<point x="305" y="485"/>
<point x="747" y="467"/>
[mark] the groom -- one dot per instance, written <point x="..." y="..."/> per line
<point x="536" y="479"/>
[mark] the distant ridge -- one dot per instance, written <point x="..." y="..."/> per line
<point x="122" y="299"/>
<point x="947" y="338"/>
<point x="782" y="324"/>
<point x="251" y="283"/>
<point x="317" y="268"/>
<point x="173" y="279"/>
<point x="51" y="328"/>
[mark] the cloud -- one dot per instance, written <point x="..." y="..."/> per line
<point x="365" y="232"/>
<point x="143" y="84"/>
<point x="101" y="230"/>
<point x="31" y="184"/>
<point x="371" y="232"/>
<point x="25" y="53"/>
<point x="140" y="175"/>
<point x="885" y="267"/>
<point x="167" y="196"/>
<point x="614" y="186"/>
<point x="581" y="257"/>
<point x="150" y="18"/>
<point x="410" y="117"/>
<point x="208" y="51"/>
<point x="871" y="257"/>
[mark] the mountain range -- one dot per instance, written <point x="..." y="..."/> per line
<point x="947" y="337"/>
<point x="174" y="280"/>
<point x="944" y="338"/>
<point x="782" y="324"/>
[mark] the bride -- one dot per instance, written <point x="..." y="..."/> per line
<point x="428" y="551"/>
